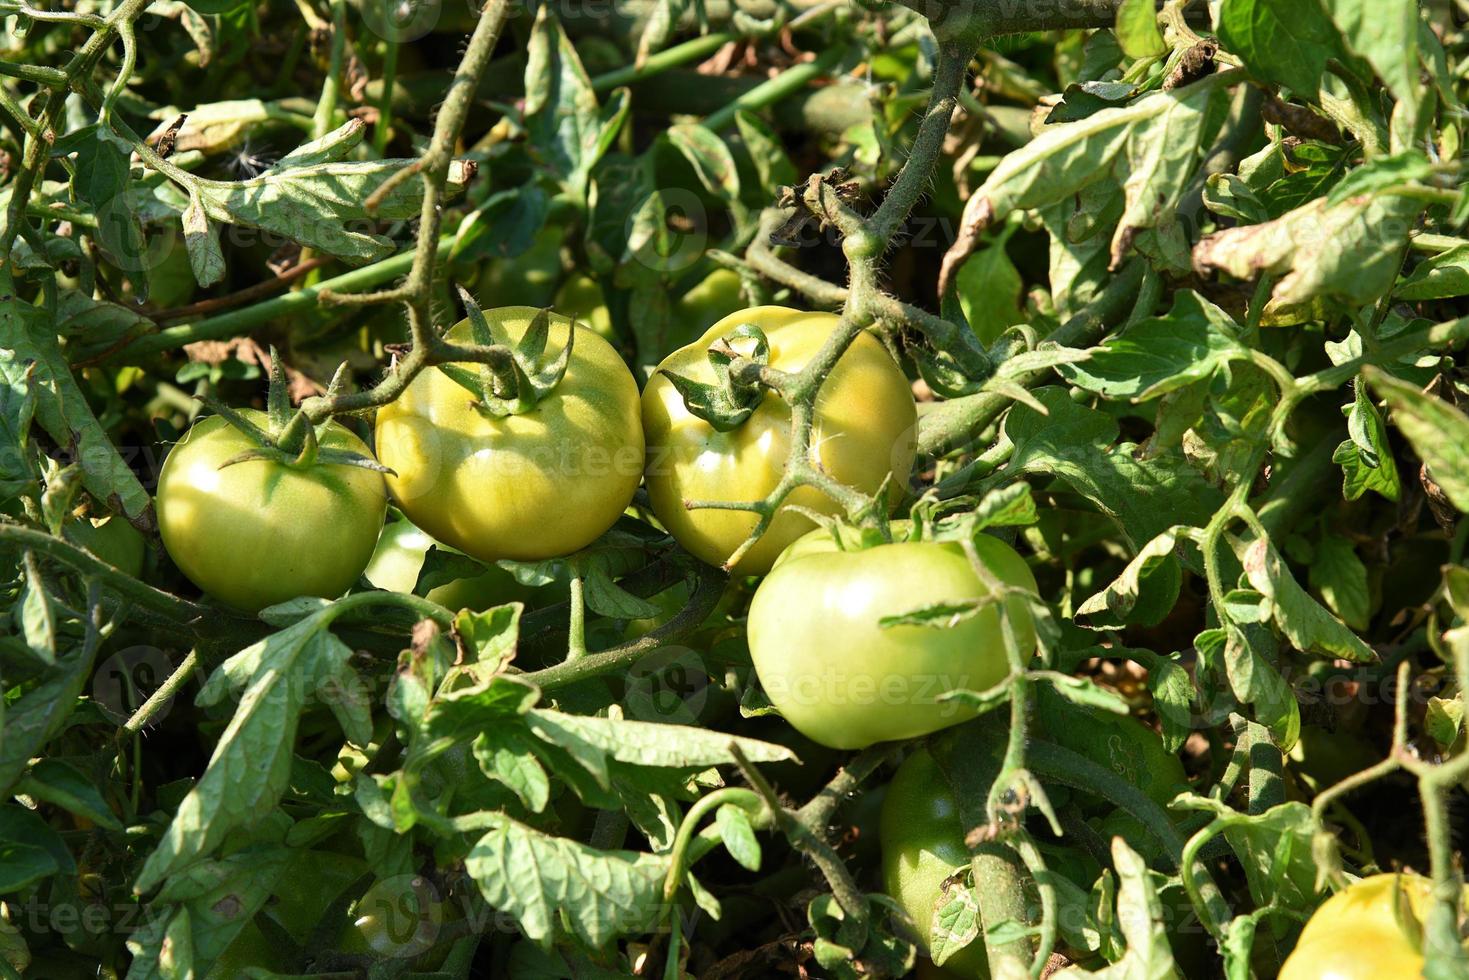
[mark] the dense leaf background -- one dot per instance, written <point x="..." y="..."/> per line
<point x="1181" y="290"/>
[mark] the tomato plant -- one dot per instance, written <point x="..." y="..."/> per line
<point x="539" y="484"/>
<point x="863" y="423"/>
<point x="845" y="678"/>
<point x="257" y="532"/>
<point x="741" y="489"/>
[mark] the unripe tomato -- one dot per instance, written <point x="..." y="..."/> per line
<point x="260" y="532"/>
<point x="922" y="841"/>
<point x="399" y="557"/>
<point x="581" y="296"/>
<point x="710" y="300"/>
<point x="529" y="277"/>
<point x="845" y="681"/>
<point x="1358" y="934"/>
<point x="863" y="431"/>
<point x="537" y="485"/>
<point x="112" y="539"/>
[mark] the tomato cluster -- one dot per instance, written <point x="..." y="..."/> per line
<point x="532" y="483"/>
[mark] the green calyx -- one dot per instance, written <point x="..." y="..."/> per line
<point x="516" y="381"/>
<point x="291" y="439"/>
<point x="727" y="402"/>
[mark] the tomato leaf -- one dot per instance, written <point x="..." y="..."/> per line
<point x="1438" y="431"/>
<point x="544" y="880"/>
<point x="1308" y="626"/>
<point x="251" y="764"/>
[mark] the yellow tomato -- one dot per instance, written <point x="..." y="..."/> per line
<point x="1364" y="932"/>
<point x="863" y="431"/>
<point x="537" y="485"/>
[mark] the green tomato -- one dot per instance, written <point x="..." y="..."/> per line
<point x="1118" y="743"/>
<point x="532" y="486"/>
<point x="581" y="296"/>
<point x="260" y="532"/>
<point x="863" y="433"/>
<point x="401" y="550"/>
<point x="1364" y="932"/>
<point x="111" y="539"/>
<point x="397" y="918"/>
<point x="845" y="681"/>
<point x="922" y="841"/>
<point x="711" y="299"/>
<point x="529" y="277"/>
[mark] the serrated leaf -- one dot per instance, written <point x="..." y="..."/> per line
<point x="766" y="151"/>
<point x="1442" y="276"/>
<point x="709" y="156"/>
<point x="27" y="849"/>
<point x="1385" y="33"/>
<point x="1161" y="156"/>
<point x="605" y="597"/>
<point x="543" y="881"/>
<point x="1366" y="458"/>
<point x="597" y="741"/>
<point x="990" y="291"/>
<point x="1146" y="590"/>
<point x="30" y="354"/>
<point x="63" y="785"/>
<point x="1284" y="42"/>
<point x="1350" y="251"/>
<point x="1074" y="443"/>
<point x="322" y="205"/>
<point x="504" y="754"/>
<point x="1304" y="621"/>
<point x="1438" y="432"/>
<point x="251" y="764"/>
<point x="201" y="239"/>
<point x="1248" y="652"/>
<point x="104" y="183"/>
<point x="1340" y="577"/>
<point x="1159" y="355"/>
<point x="569" y="131"/>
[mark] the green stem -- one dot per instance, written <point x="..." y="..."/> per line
<point x="576" y="641"/>
<point x="171" y="686"/>
<point x="767" y="93"/>
<point x="999" y="887"/>
<point x="746" y="799"/>
<point x="705" y="596"/>
<point x="955" y="422"/>
<point x="244" y="320"/>
<point x="331" y="88"/>
<point x="917" y="172"/>
<point x="662" y="61"/>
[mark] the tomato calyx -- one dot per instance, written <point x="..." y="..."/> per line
<point x="291" y="438"/>
<point x="728" y="402"/>
<point x="516" y="381"/>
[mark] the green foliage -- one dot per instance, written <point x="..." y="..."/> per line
<point x="1180" y="289"/>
